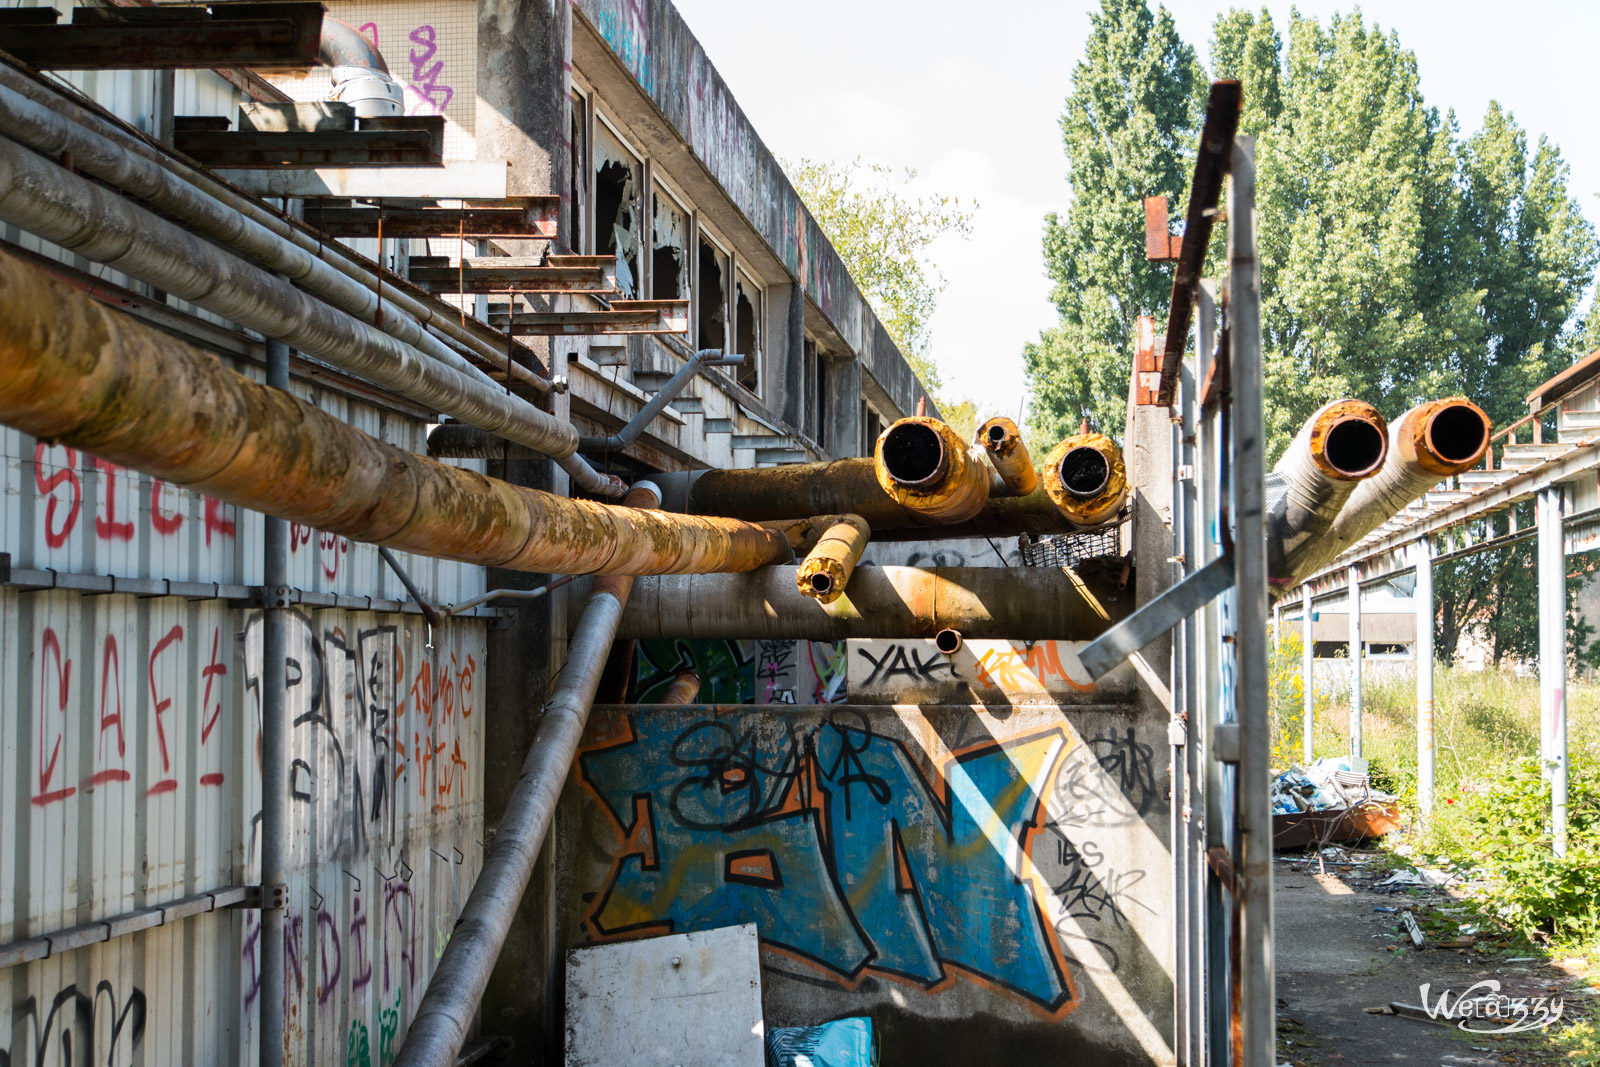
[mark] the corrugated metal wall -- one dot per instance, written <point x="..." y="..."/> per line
<point x="130" y="779"/>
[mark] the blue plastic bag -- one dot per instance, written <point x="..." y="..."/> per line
<point x="841" y="1043"/>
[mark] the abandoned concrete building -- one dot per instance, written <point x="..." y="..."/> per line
<point x="478" y="582"/>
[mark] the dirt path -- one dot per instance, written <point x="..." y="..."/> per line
<point x="1337" y="957"/>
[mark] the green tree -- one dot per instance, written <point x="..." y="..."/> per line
<point x="1128" y="127"/>
<point x="1401" y="262"/>
<point x="882" y="230"/>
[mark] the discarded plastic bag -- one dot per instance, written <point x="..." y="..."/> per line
<point x="841" y="1043"/>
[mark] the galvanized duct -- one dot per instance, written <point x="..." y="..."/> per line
<point x="55" y="204"/>
<point x="924" y="466"/>
<point x="360" y="75"/>
<point x="77" y="372"/>
<point x="1013" y="467"/>
<point x="1429" y="443"/>
<point x="1340" y="444"/>
<point x="456" y="989"/>
<point x="1024" y="603"/>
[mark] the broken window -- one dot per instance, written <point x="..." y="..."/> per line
<point x="616" y="209"/>
<point x="669" y="242"/>
<point x="711" y="298"/>
<point x="871" y="427"/>
<point x="747" y="331"/>
<point x="816" y="410"/>
<point x="577" y="198"/>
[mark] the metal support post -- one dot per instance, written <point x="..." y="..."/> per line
<point x="1353" y="613"/>
<point x="1553" y="658"/>
<point x="1424" y="657"/>
<point x="1259" y="1008"/>
<point x="274" y="756"/>
<point x="1308" y="677"/>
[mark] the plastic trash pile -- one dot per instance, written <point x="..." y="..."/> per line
<point x="1327" y="785"/>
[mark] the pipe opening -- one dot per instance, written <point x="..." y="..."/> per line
<point x="1354" y="447"/>
<point x="821" y="583"/>
<point x="1084" y="472"/>
<point x="947" y="641"/>
<point x="913" y="453"/>
<point x="1457" y="433"/>
<point x="997" y="434"/>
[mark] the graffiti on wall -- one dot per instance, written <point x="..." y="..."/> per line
<point x="833" y="838"/>
<point x="1018" y="672"/>
<point x="743" y="672"/>
<point x="77" y="1026"/>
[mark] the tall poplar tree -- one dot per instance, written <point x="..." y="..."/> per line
<point x="1129" y="129"/>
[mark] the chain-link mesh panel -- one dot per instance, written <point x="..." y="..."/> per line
<point x="1068" y="550"/>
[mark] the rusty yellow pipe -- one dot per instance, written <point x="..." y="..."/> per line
<point x="828" y="566"/>
<point x="924" y="466"/>
<point x="1086" y="479"/>
<point x="76" y="372"/>
<point x="1008" y="456"/>
<point x="683" y="690"/>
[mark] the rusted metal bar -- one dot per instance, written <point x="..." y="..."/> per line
<point x="1008" y="456"/>
<point x="529" y="217"/>
<point x="826" y="569"/>
<point x="398" y="141"/>
<point x="507" y="274"/>
<point x="76" y="372"/>
<point x="1216" y="146"/>
<point x="1086" y="479"/>
<point x="1340" y="444"/>
<point x="1025" y="603"/>
<point x="924" y="466"/>
<point x="173" y="37"/>
<point x="623" y="316"/>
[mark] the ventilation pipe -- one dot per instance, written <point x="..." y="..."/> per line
<point x="683" y="690"/>
<point x="924" y="466"/>
<point x="1009" y="457"/>
<point x="456" y="989"/>
<point x="360" y="76"/>
<point x="82" y="374"/>
<point x="1339" y="445"/>
<point x="1085" y="478"/>
<point x="1024" y="603"/>
<point x="1429" y="443"/>
<point x="827" y="567"/>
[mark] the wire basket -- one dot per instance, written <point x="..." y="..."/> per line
<point x="1069" y="550"/>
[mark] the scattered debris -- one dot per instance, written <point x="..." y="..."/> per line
<point x="1409" y="921"/>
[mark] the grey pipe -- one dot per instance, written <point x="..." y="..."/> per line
<point x="55" y="204"/>
<point x="47" y="121"/>
<point x="1024" y="603"/>
<point x="708" y="357"/>
<point x="360" y="75"/>
<point x="1340" y="444"/>
<point x="456" y="989"/>
<point x="275" y="732"/>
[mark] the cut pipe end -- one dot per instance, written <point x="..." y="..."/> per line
<point x="1349" y="439"/>
<point x="821" y="583"/>
<point x="1446" y="436"/>
<point x="1086" y="478"/>
<point x="947" y="641"/>
<point x="914" y="454"/>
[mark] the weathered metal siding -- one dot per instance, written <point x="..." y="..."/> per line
<point x="130" y="745"/>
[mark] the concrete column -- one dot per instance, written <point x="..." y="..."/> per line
<point x="1553" y="658"/>
<point x="1424" y="658"/>
<point x="1354" y="614"/>
<point x="1308" y="675"/>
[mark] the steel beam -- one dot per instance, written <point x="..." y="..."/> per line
<point x="258" y="36"/>
<point x="1308" y="678"/>
<point x="1552" y="567"/>
<point x="1175" y="604"/>
<point x="1353" y="638"/>
<point x="398" y="141"/>
<point x="1424" y="659"/>
<point x="528" y="217"/>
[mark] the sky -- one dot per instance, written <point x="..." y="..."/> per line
<point x="971" y="100"/>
